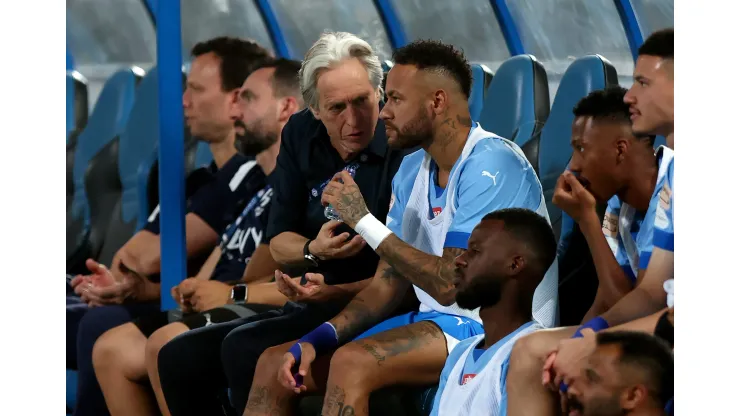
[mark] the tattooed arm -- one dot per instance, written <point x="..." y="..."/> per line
<point x="435" y="275"/>
<point x="384" y="293"/>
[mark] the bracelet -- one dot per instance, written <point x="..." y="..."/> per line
<point x="372" y="230"/>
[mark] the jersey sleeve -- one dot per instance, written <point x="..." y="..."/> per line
<point x="492" y="179"/>
<point x="216" y="202"/>
<point x="290" y="196"/>
<point x="663" y="232"/>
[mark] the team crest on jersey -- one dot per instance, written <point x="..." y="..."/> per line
<point x="436" y="211"/>
<point x="610" y="225"/>
<point x="467" y="377"/>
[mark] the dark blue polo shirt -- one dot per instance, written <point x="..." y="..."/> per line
<point x="218" y="201"/>
<point x="307" y="161"/>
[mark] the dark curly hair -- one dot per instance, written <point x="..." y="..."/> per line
<point x="607" y="104"/>
<point x="434" y="55"/>
<point x="239" y="57"/>
<point x="660" y="44"/>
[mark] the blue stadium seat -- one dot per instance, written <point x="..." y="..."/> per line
<point x="137" y="144"/>
<point x="203" y="155"/>
<point x="551" y="152"/>
<point x="481" y="78"/>
<point x="77" y="103"/>
<point x="106" y="122"/>
<point x="517" y="102"/>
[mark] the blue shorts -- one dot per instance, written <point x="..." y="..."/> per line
<point x="455" y="328"/>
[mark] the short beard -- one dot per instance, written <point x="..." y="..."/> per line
<point x="252" y="143"/>
<point x="482" y="292"/>
<point x="418" y="132"/>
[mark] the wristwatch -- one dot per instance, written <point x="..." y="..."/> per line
<point x="308" y="256"/>
<point x="239" y="293"/>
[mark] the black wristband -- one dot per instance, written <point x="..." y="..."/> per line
<point x="664" y="329"/>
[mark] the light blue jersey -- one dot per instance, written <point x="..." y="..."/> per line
<point x="630" y="233"/>
<point x="468" y="364"/>
<point x="493" y="177"/>
<point x="663" y="237"/>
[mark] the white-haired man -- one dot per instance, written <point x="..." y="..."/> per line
<point x="441" y="192"/>
<point x="340" y="82"/>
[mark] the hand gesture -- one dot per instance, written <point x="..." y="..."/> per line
<point x="344" y="195"/>
<point x="285" y="374"/>
<point x="330" y="246"/>
<point x="573" y="198"/>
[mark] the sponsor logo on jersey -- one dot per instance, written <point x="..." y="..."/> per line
<point x="467" y="377"/>
<point x="436" y="211"/>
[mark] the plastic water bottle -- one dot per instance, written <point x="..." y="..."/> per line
<point x="331" y="213"/>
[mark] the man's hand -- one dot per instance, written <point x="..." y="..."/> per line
<point x="285" y="374"/>
<point x="566" y="362"/>
<point x="574" y="199"/>
<point x="344" y="195"/>
<point x="315" y="290"/>
<point x="328" y="246"/>
<point x="210" y="294"/>
<point x="100" y="277"/>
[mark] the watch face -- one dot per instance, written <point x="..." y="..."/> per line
<point x="238" y="293"/>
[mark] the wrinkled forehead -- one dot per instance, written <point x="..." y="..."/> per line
<point x="346" y="81"/>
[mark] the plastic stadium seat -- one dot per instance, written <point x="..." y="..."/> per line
<point x="551" y="151"/>
<point x="106" y="122"/>
<point x="202" y="157"/>
<point x="481" y="78"/>
<point x="517" y="102"/>
<point x="137" y="144"/>
<point x="77" y="103"/>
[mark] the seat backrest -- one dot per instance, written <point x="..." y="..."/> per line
<point x="481" y="78"/>
<point x="203" y="156"/>
<point x="552" y="151"/>
<point x="517" y="102"/>
<point x="138" y="143"/>
<point x="77" y="104"/>
<point x="106" y="122"/>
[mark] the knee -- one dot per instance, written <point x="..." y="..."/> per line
<point x="154" y="345"/>
<point x="106" y="352"/>
<point x="356" y="363"/>
<point x="270" y="360"/>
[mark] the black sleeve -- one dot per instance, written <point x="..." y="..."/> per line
<point x="289" y="200"/>
<point x="217" y="203"/>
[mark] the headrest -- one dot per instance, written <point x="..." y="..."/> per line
<point x="139" y="142"/>
<point x="584" y="75"/>
<point x="77" y="105"/>
<point x="481" y="77"/>
<point x="106" y="122"/>
<point x="517" y="102"/>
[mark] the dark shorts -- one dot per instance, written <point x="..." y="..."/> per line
<point x="148" y="324"/>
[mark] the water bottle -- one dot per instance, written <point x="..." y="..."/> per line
<point x="331" y="213"/>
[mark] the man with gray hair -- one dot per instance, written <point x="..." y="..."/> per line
<point x="339" y="131"/>
<point x="440" y="193"/>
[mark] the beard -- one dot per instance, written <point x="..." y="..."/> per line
<point x="417" y="132"/>
<point x="254" y="141"/>
<point x="481" y="292"/>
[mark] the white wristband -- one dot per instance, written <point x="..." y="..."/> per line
<point x="372" y="230"/>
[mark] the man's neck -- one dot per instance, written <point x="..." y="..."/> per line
<point x="647" y="411"/>
<point x="449" y="140"/>
<point x="268" y="157"/>
<point x="223" y="150"/>
<point x="641" y="184"/>
<point x="503" y="318"/>
<point x="669" y="139"/>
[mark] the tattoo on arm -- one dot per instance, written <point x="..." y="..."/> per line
<point x="366" y="309"/>
<point x="433" y="274"/>
<point x="352" y="205"/>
